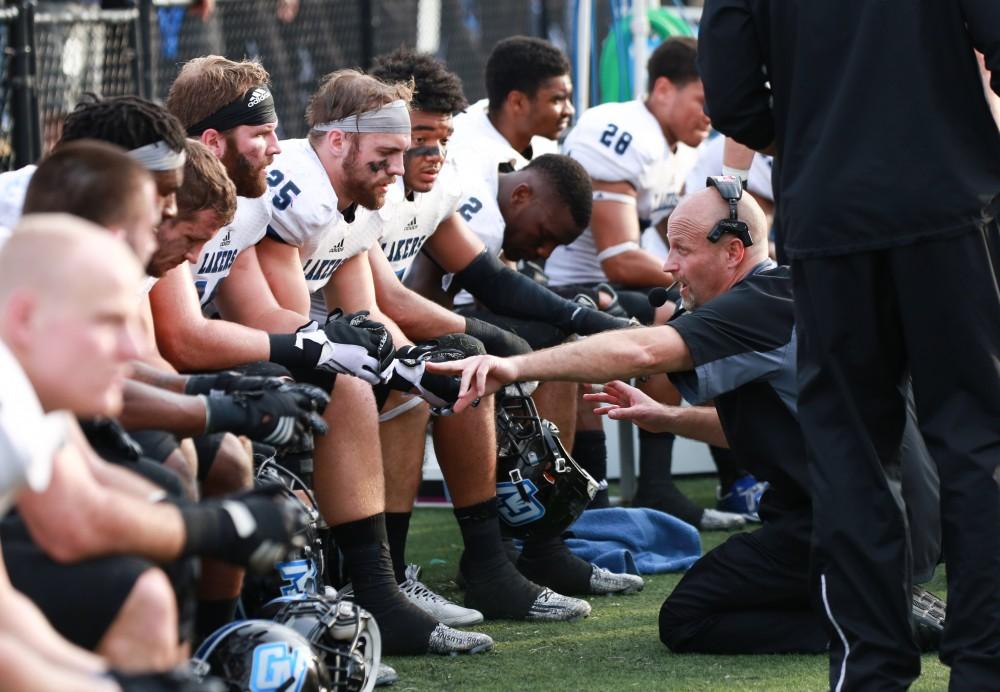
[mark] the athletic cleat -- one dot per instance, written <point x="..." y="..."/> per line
<point x="606" y="582"/>
<point x="445" y="640"/>
<point x="553" y="607"/>
<point x="714" y="520"/>
<point x="386" y="675"/>
<point x="928" y="619"/>
<point x="743" y="497"/>
<point x="438" y="607"/>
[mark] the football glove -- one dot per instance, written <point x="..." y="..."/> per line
<point x="440" y="391"/>
<point x="255" y="529"/>
<point x="349" y="345"/>
<point x="279" y="417"/>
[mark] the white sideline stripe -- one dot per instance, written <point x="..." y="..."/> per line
<point x="840" y="633"/>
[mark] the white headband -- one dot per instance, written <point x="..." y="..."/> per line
<point x="158" y="156"/>
<point x="392" y="118"/>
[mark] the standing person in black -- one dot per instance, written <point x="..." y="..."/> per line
<point x="887" y="175"/>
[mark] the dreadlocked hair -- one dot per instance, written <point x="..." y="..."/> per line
<point x="437" y="89"/>
<point x="128" y="121"/>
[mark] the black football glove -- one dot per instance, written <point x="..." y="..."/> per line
<point x="279" y="417"/>
<point x="440" y="391"/>
<point x="255" y="529"/>
<point x="338" y="347"/>
<point x="359" y="320"/>
<point x="497" y="341"/>
<point x="227" y="382"/>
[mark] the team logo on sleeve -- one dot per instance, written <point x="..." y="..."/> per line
<point x="516" y="508"/>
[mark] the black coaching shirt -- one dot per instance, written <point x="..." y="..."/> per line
<point x="876" y="108"/>
<point x="743" y="347"/>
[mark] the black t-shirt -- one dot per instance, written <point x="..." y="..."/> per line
<point x="743" y="347"/>
<point x="883" y="135"/>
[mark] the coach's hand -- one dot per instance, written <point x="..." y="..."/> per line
<point x="481" y="375"/>
<point x="620" y="401"/>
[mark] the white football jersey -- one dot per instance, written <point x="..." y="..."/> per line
<point x="13" y="189"/>
<point x="479" y="206"/>
<point x="29" y="437"/>
<point x="305" y="214"/>
<point x="475" y="132"/>
<point x="412" y="221"/>
<point x="709" y="162"/>
<point x="620" y="142"/>
<point x="219" y="253"/>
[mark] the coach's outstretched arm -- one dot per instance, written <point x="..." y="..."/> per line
<point x="598" y="358"/>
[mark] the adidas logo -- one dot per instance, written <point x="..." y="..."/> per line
<point x="225" y="240"/>
<point x="259" y="94"/>
<point x="339" y="247"/>
<point x="411" y="225"/>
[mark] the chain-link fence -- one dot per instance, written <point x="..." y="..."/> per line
<point x="67" y="48"/>
<point x="81" y="49"/>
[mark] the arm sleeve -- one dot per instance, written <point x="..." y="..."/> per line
<point x="982" y="20"/>
<point x="507" y="292"/>
<point x="732" y="69"/>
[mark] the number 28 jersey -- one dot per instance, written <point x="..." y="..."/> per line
<point x="620" y="142"/>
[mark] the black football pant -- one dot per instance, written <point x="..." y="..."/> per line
<point x="863" y="320"/>
<point x="750" y="595"/>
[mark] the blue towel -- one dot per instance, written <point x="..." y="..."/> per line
<point x="637" y="541"/>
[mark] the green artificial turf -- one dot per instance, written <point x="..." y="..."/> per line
<point x="616" y="648"/>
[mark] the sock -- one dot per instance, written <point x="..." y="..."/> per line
<point x="590" y="451"/>
<point x="480" y="527"/>
<point x="214" y="614"/>
<point x="405" y="628"/>
<point x="656" y="483"/>
<point x="493" y="586"/>
<point x="729" y="468"/>
<point x="397" y="526"/>
<point x="547" y="561"/>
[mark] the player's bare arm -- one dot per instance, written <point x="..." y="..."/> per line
<point x="616" y="231"/>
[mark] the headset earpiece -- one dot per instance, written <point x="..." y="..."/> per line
<point x="731" y="189"/>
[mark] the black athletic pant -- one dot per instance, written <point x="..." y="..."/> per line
<point x="863" y="319"/>
<point x="750" y="595"/>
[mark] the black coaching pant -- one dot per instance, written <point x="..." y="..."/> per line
<point x="863" y="320"/>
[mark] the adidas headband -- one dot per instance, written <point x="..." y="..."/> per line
<point x="392" y="119"/>
<point x="158" y="156"/>
<point x="254" y="107"/>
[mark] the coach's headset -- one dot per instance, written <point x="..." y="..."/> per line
<point x="731" y="189"/>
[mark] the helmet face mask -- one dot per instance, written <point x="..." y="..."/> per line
<point x="540" y="488"/>
<point x="344" y="635"/>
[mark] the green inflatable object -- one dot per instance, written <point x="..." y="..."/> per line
<point x="616" y="79"/>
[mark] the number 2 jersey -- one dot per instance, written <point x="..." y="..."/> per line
<point x="620" y="142"/>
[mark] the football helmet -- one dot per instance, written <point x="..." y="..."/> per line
<point x="540" y="488"/>
<point x="259" y="656"/>
<point x="301" y="572"/>
<point x="344" y="635"/>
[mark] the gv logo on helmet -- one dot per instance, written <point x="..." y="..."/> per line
<point x="300" y="575"/>
<point x="277" y="667"/>
<point x="515" y="509"/>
